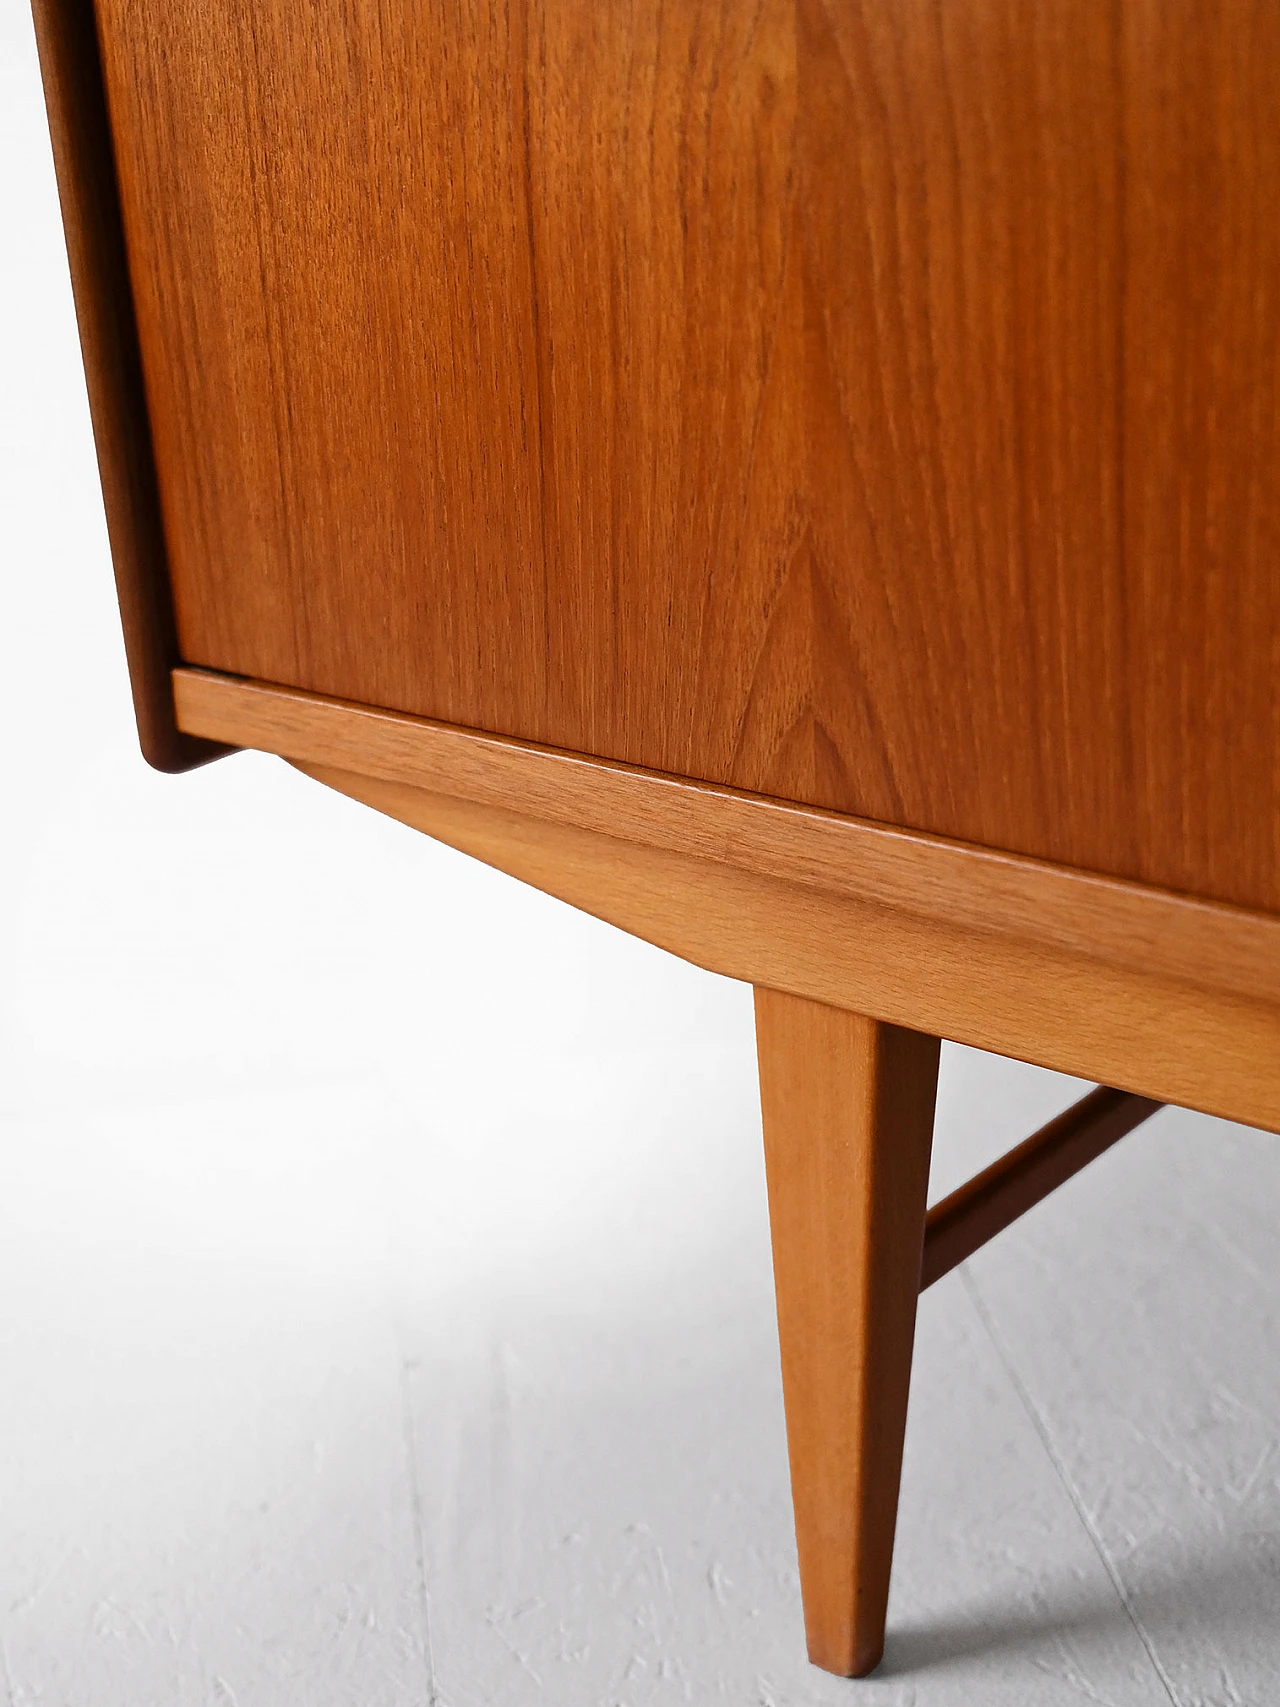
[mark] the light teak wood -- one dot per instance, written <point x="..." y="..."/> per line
<point x="993" y="1199"/>
<point x="871" y="404"/>
<point x="848" y="1126"/>
<point x="1158" y="994"/>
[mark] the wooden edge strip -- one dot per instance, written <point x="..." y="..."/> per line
<point x="1152" y="1036"/>
<point x="84" y="162"/>
<point x="1134" y="927"/>
<point x="993" y="1199"/>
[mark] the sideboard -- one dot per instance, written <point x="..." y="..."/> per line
<point x="798" y="479"/>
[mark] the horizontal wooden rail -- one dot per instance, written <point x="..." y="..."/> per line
<point x="1108" y="980"/>
<point x="986" y="1204"/>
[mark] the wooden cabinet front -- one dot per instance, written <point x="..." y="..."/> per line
<point x="864" y="402"/>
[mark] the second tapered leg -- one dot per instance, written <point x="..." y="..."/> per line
<point x="848" y="1107"/>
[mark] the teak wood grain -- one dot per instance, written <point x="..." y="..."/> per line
<point x="1155" y="1036"/>
<point x="847" y="1106"/>
<point x="1156" y="993"/>
<point x="1130" y="926"/>
<point x="871" y="404"/>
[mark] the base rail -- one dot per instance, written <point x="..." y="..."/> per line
<point x="988" y="1203"/>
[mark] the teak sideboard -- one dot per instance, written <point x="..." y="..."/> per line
<point x="799" y="479"/>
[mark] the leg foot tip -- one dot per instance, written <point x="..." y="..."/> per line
<point x="846" y="1659"/>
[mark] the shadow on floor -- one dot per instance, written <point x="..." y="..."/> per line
<point x="1224" y="1573"/>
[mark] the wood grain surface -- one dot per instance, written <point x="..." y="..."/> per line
<point x="847" y="1107"/>
<point x="872" y="404"/>
<point x="1156" y="993"/>
<point x="1146" y="931"/>
<point x="1144" y="1032"/>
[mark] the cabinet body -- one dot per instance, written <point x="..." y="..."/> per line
<point x="861" y="403"/>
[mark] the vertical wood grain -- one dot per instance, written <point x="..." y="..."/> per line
<point x="848" y="1108"/>
<point x="868" y="403"/>
<point x="1200" y="312"/>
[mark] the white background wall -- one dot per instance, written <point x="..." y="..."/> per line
<point x="385" y="1309"/>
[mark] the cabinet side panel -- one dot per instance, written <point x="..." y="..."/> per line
<point x="82" y="154"/>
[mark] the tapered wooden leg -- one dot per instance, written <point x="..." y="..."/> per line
<point x="848" y="1125"/>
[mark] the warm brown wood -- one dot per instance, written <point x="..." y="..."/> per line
<point x="989" y="1202"/>
<point x="865" y="403"/>
<point x="848" y="1125"/>
<point x="1150" y="1034"/>
<point x="1127" y="926"/>
<point x="82" y="158"/>
<point x="1201" y="153"/>
<point x="1158" y="994"/>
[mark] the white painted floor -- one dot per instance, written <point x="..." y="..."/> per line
<point x="457" y="1383"/>
<point x="385" y="1304"/>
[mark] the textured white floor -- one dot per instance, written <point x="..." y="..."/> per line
<point x="385" y="1307"/>
<point x="453" y="1378"/>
